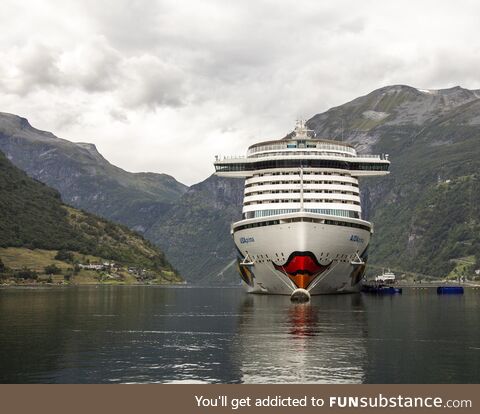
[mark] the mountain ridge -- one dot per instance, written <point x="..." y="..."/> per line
<point x="84" y="177"/>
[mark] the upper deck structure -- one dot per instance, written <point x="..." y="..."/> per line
<point x="302" y="150"/>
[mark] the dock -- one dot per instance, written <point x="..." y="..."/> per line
<point x="440" y="287"/>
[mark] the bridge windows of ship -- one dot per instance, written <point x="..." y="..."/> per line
<point x="305" y="163"/>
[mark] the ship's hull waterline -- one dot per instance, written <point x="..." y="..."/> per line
<point x="321" y="258"/>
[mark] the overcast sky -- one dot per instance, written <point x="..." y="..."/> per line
<point x="165" y="85"/>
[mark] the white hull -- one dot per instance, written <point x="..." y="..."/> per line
<point x="322" y="258"/>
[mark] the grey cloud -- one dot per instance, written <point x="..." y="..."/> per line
<point x="130" y="25"/>
<point x="94" y="67"/>
<point x="151" y="82"/>
<point x="34" y="67"/>
<point x="355" y="25"/>
<point x="118" y="115"/>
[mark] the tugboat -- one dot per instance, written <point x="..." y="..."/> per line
<point x="387" y="277"/>
<point x="382" y="284"/>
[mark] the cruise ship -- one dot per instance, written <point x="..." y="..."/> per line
<point x="302" y="228"/>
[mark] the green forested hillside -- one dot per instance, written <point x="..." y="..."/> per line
<point x="33" y="216"/>
<point x="442" y="226"/>
<point x="425" y="213"/>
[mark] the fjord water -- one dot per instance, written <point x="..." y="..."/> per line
<point x="156" y="334"/>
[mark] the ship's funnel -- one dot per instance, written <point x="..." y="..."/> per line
<point x="300" y="296"/>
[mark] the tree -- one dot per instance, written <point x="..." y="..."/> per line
<point x="52" y="270"/>
<point x="25" y="273"/>
<point x="2" y="267"/>
<point x="64" y="255"/>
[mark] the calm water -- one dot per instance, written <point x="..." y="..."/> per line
<point x="154" y="334"/>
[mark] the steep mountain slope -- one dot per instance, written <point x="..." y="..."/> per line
<point x="425" y="212"/>
<point x="33" y="216"/>
<point x="195" y="234"/>
<point x="84" y="178"/>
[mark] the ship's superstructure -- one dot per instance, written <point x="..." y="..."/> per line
<point x="301" y="224"/>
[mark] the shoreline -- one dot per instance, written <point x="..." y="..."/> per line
<point x="422" y="286"/>
<point x="67" y="285"/>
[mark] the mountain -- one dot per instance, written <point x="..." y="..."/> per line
<point x="425" y="212"/>
<point x="32" y="216"/>
<point x="195" y="234"/>
<point x="84" y="178"/>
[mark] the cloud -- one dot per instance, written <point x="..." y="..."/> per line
<point x="93" y="66"/>
<point x="151" y="82"/>
<point x="165" y="85"/>
<point x="32" y="66"/>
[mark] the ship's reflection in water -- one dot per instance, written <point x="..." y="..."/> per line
<point x="303" y="320"/>
<point x="322" y="341"/>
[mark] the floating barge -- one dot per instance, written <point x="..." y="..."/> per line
<point x="450" y="290"/>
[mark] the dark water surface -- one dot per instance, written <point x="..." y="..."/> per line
<point x="155" y="334"/>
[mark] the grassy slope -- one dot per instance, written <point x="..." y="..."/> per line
<point x="16" y="258"/>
